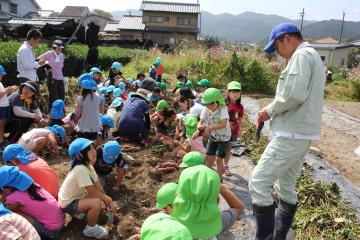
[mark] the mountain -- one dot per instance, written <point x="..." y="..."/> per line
<point x="254" y="27"/>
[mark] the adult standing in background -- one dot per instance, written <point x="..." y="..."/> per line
<point x="26" y="64"/>
<point x="55" y="77"/>
<point x="295" y="115"/>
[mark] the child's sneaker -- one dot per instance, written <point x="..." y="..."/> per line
<point x="227" y="171"/>
<point x="96" y="232"/>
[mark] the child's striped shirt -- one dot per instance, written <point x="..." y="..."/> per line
<point x="14" y="226"/>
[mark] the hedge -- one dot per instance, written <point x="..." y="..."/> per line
<point x="75" y="55"/>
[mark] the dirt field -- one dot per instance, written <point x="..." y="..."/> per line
<point x="137" y="193"/>
<point x="336" y="146"/>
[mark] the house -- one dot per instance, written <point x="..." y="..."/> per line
<point x="162" y="22"/>
<point x="79" y="12"/>
<point x="328" y="40"/>
<point x="17" y="8"/>
<point x="333" y="54"/>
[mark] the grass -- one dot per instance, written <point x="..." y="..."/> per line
<point x="322" y="213"/>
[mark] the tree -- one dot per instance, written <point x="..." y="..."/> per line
<point x="103" y="13"/>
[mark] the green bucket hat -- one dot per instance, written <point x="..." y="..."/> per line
<point x="192" y="159"/>
<point x="195" y="204"/>
<point x="161" y="105"/>
<point x="166" y="195"/>
<point x="180" y="84"/>
<point x="234" y="85"/>
<point x="162" y="226"/>
<point x="213" y="95"/>
<point x="190" y="122"/>
<point x="189" y="85"/>
<point x="204" y="83"/>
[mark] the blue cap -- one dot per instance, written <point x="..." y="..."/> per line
<point x="110" y="88"/>
<point x="57" y="109"/>
<point x="19" y="152"/>
<point x="11" y="176"/>
<point x="130" y="81"/>
<point x="279" y="31"/>
<point x="122" y="86"/>
<point x="56" y="129"/>
<point x="116" y="65"/>
<point x="111" y="151"/>
<point x="107" y="120"/>
<point x="77" y="146"/>
<point x="117" y="102"/>
<point x="89" y="84"/>
<point x="85" y="76"/>
<point x="2" y="70"/>
<point x="95" y="70"/>
<point x="117" y="92"/>
<point x="102" y="90"/>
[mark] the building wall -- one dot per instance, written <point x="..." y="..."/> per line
<point x="173" y="18"/>
<point x="131" y="35"/>
<point x="100" y="21"/>
<point x="336" y="57"/>
<point x="169" y="38"/>
<point x="23" y="7"/>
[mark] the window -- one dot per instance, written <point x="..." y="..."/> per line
<point x="165" y="19"/>
<point x="13" y="8"/>
<point x="156" y="19"/>
<point x="342" y="61"/>
<point x="0" y="7"/>
<point x="127" y="37"/>
<point x="323" y="58"/>
<point x="183" y="21"/>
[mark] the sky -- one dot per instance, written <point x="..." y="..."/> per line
<point x="314" y="9"/>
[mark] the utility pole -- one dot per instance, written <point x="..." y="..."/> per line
<point x="342" y="27"/>
<point x="302" y="14"/>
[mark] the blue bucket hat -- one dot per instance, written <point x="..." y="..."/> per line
<point x="277" y="32"/>
<point x="111" y="151"/>
<point x="117" y="102"/>
<point x="2" y="70"/>
<point x="11" y="176"/>
<point x="130" y="81"/>
<point x="117" y="92"/>
<point x="102" y="90"/>
<point x="122" y="86"/>
<point x="116" y="65"/>
<point x="89" y="84"/>
<point x="85" y="76"/>
<point x="77" y="146"/>
<point x="19" y="152"/>
<point x="95" y="70"/>
<point x="110" y="88"/>
<point x="57" y="109"/>
<point x="107" y="120"/>
<point x="58" y="130"/>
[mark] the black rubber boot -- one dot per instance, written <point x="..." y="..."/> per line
<point x="284" y="215"/>
<point x="265" y="217"/>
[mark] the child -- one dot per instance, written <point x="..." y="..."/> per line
<point x="71" y="119"/>
<point x="191" y="144"/>
<point x="23" y="195"/>
<point x="192" y="159"/>
<point x="107" y="123"/>
<point x="236" y="113"/>
<point x="154" y="97"/>
<point x="108" y="157"/>
<point x="14" y="226"/>
<point x="159" y="69"/>
<point x="166" y="196"/>
<point x="139" y="78"/>
<point x="88" y="111"/>
<point x="114" y="111"/>
<point x="158" y="116"/>
<point x="57" y="113"/>
<point x="202" y="85"/>
<point x="214" y="121"/>
<point x="109" y="94"/>
<point x="81" y="193"/>
<point x="35" y="167"/>
<point x="152" y="70"/>
<point x="163" y="88"/>
<point x="37" y="139"/>
<point x="114" y="71"/>
<point x="196" y="203"/>
<point x="164" y="126"/>
<point x="4" y="107"/>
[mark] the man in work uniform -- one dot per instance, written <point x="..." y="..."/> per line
<point x="295" y="115"/>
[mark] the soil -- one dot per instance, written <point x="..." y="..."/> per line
<point x="337" y="147"/>
<point x="137" y="194"/>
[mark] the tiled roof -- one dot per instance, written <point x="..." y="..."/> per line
<point x="131" y="23"/>
<point x="112" y="27"/>
<point x="73" y="11"/>
<point x="330" y="46"/>
<point x="170" y="7"/>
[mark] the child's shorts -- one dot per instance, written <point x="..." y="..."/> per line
<point x="4" y="112"/>
<point x="45" y="233"/>
<point x="217" y="148"/>
<point x="72" y="208"/>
